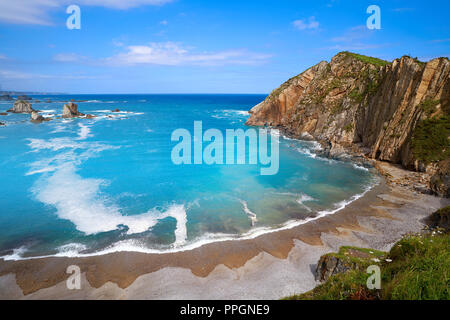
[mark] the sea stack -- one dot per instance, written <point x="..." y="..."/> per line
<point x="36" y="117"/>
<point x="70" y="110"/>
<point x="21" y="106"/>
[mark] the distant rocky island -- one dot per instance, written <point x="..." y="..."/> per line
<point x="69" y="110"/>
<point x="391" y="111"/>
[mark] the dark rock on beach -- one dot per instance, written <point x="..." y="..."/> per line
<point x="329" y="266"/>
<point x="440" y="219"/>
<point x="440" y="181"/>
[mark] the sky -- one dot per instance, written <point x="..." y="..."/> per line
<point x="194" y="46"/>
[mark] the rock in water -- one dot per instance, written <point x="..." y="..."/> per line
<point x="36" y="117"/>
<point x="6" y="97"/>
<point x="1" y="124"/>
<point x="21" y="106"/>
<point x="24" y="97"/>
<point x="70" y="110"/>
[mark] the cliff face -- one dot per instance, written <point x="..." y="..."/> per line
<point x="384" y="110"/>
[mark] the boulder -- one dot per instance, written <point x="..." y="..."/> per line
<point x="440" y="181"/>
<point x="3" y="113"/>
<point x="21" y="106"/>
<point x="330" y="265"/>
<point x="2" y="124"/>
<point x="348" y="258"/>
<point x="70" y="110"/>
<point x="36" y="117"/>
<point x="440" y="219"/>
<point x="116" y="110"/>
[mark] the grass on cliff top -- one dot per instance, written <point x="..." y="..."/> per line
<point x="419" y="270"/>
<point x="367" y="59"/>
<point x="357" y="255"/>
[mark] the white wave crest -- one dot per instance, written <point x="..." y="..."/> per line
<point x="250" y="214"/>
<point x="81" y="202"/>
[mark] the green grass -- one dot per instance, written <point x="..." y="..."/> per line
<point x="416" y="268"/>
<point x="348" y="127"/>
<point x="420" y="269"/>
<point x="356" y="96"/>
<point x="430" y="140"/>
<point x="367" y="59"/>
<point x="429" y="106"/>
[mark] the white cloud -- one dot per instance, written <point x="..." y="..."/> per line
<point x="37" y="11"/>
<point x="170" y="53"/>
<point x="164" y="22"/>
<point x="304" y="24"/>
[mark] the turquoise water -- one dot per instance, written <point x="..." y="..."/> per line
<point x="84" y="186"/>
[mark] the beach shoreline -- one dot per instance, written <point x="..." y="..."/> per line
<point x="269" y="266"/>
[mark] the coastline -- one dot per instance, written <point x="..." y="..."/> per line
<point x="269" y="266"/>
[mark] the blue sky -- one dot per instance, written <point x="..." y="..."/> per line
<point x="193" y="46"/>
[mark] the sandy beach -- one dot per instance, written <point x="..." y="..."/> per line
<point x="270" y="266"/>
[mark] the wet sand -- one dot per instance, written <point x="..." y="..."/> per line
<point x="270" y="266"/>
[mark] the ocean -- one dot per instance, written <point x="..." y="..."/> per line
<point x="78" y="187"/>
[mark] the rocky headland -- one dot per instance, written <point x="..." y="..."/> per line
<point x="391" y="111"/>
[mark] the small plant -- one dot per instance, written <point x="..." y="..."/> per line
<point x="348" y="127"/>
<point x="356" y="96"/>
<point x="429" y="106"/>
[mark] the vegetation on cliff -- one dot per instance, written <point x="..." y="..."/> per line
<point x="416" y="268"/>
<point x="366" y="59"/>
<point x="430" y="141"/>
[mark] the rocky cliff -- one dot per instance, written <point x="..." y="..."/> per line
<point x="394" y="111"/>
